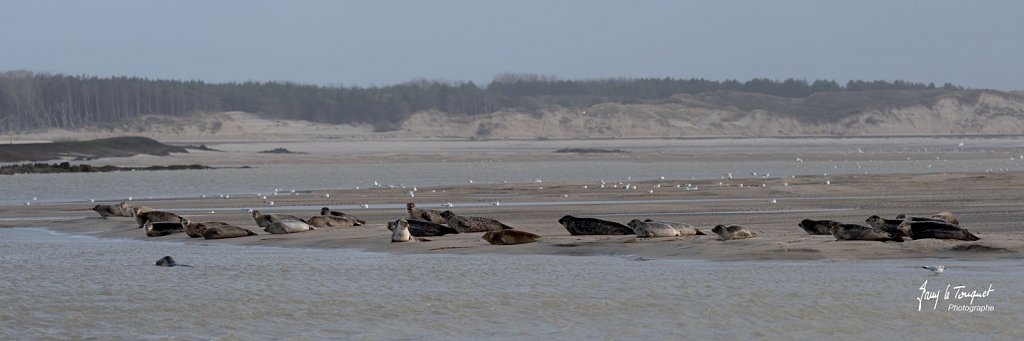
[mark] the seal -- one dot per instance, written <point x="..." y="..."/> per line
<point x="904" y="217"/>
<point x="423" y="228"/>
<point x="226" y="231"/>
<point x="433" y="216"/>
<point x="330" y="221"/>
<point x="401" y="232"/>
<point x="196" y="230"/>
<point x="860" y="232"/>
<point x="947" y="216"/>
<point x="887" y="225"/>
<point x="652" y="229"/>
<point x="683" y="228"/>
<point x="472" y="224"/>
<point x="107" y="211"/>
<point x="129" y="211"/>
<point x="726" y="232"/>
<point x="159" y="229"/>
<point x="509" y="237"/>
<point x="287" y="226"/>
<point x="264" y="220"/>
<point x="156" y="216"/>
<point x="815" y="227"/>
<point x="592" y="226"/>
<point x="937" y="230"/>
<point x="327" y="211"/>
<point x="168" y="262"/>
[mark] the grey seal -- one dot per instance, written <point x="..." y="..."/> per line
<point x="947" y="216"/>
<point x="156" y="216"/>
<point x="168" y="262"/>
<point x="287" y="226"/>
<point x="401" y="232"/>
<point x="904" y="217"/>
<point x="815" y="227"/>
<point x="196" y="230"/>
<point x="465" y="224"/>
<point x="330" y="221"/>
<point x="644" y="229"/>
<point x="433" y="216"/>
<point x="937" y="230"/>
<point x="422" y="228"/>
<point x="860" y="232"/>
<point x="887" y="225"/>
<point x="107" y="210"/>
<point x="264" y="220"/>
<point x="509" y="237"/>
<point x="161" y="228"/>
<point x="683" y="228"/>
<point x="592" y="226"/>
<point x="327" y="211"/>
<point x="727" y="232"/>
<point x="226" y="231"/>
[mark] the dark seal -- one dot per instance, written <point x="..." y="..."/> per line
<point x="466" y="224"/>
<point x="593" y="226"/>
<point x="161" y="228"/>
<point x="860" y="232"/>
<point x="327" y="211"/>
<point x="936" y="230"/>
<point x="433" y="216"/>
<point x="509" y="237"/>
<point x="423" y="228"/>
<point x="168" y="262"/>
<point x="815" y="227"/>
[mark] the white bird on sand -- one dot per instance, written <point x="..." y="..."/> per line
<point x="773" y="201"/>
<point x="936" y="269"/>
<point x="364" y="206"/>
<point x="412" y="194"/>
<point x="327" y="195"/>
<point x="447" y="204"/>
<point x="497" y="203"/>
<point x="92" y="200"/>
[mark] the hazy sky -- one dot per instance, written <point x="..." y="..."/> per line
<point x="972" y="43"/>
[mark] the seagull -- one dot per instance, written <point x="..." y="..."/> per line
<point x="497" y="203"/>
<point x="935" y="269"/>
<point x="327" y="195"/>
<point x="364" y="206"/>
<point x="412" y="194"/>
<point x="773" y="201"/>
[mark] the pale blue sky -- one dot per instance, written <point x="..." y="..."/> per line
<point x="972" y="43"/>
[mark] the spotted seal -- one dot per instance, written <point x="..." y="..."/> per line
<point x="160" y="228"/>
<point x="433" y="216"/>
<point x="815" y="227"/>
<point x="727" y="232"/>
<point x="593" y="226"/>
<point x="423" y="228"/>
<point x="652" y="229"/>
<point x="509" y="237"/>
<point x="683" y="228"/>
<point x="330" y="221"/>
<point x="287" y="226"/>
<point x="196" y="230"/>
<point x="156" y="216"/>
<point x="465" y="224"/>
<point x="887" y="225"/>
<point x="226" y="231"/>
<point x="401" y="233"/>
<point x="937" y="230"/>
<point x="357" y="221"/>
<point x="265" y="219"/>
<point x="947" y="216"/>
<point x="169" y="262"/>
<point x="860" y="232"/>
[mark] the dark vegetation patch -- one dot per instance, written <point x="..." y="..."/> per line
<point x="201" y="147"/>
<point x="280" y="151"/>
<point x="85" y="150"/>
<point x="67" y="167"/>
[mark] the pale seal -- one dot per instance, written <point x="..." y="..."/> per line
<point x="509" y="237"/>
<point x="156" y="216"/>
<point x="159" y="229"/>
<point x="937" y="230"/>
<point x="947" y="216"/>
<point x="287" y="226"/>
<point x="422" y="228"/>
<point x="168" y="262"/>
<point x="264" y="220"/>
<point x="592" y="226"/>
<point x="401" y="232"/>
<point x="683" y="228"/>
<point x="652" y="229"/>
<point x="860" y="232"/>
<point x="465" y="224"/>
<point x="904" y="217"/>
<point x="815" y="227"/>
<point x="330" y="221"/>
<point x="327" y="211"/>
<point x="433" y="216"/>
<point x="226" y="231"/>
<point x="727" y="232"/>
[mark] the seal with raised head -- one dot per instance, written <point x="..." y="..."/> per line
<point x="937" y="230"/>
<point x="196" y="230"/>
<point x="330" y="221"/>
<point x="156" y="216"/>
<point x="422" y="228"/>
<point x="727" y="232"/>
<point x="860" y="232"/>
<point x="652" y="229"/>
<point x="287" y="226"/>
<point x="815" y="227"/>
<point x="593" y="226"/>
<point x="683" y="228"/>
<point x="327" y="211"/>
<point x="509" y="237"/>
<point x="163" y="228"/>
<point x="433" y="216"/>
<point x="401" y="233"/>
<point x="226" y="231"/>
<point x="887" y="225"/>
<point x="466" y="224"/>
<point x="265" y="219"/>
<point x="168" y="262"/>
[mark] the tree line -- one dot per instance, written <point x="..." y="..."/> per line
<point x="39" y="100"/>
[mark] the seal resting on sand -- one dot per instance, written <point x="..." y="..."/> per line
<point x="401" y="233"/>
<point x="860" y="232"/>
<point x="727" y="232"/>
<point x="287" y="226"/>
<point x="357" y="221"/>
<point x="937" y="230"/>
<point x="196" y="230"/>
<point x="815" y="227"/>
<point x="947" y="216"/>
<point x="264" y="220"/>
<point x="107" y="210"/>
<point x="592" y="226"/>
<point x="887" y="225"/>
<point x="330" y="221"/>
<point x="472" y="224"/>
<point x="904" y="217"/>
<point x="159" y="229"/>
<point x="652" y="229"/>
<point x="422" y="228"/>
<point x="509" y="237"/>
<point x="683" y="228"/>
<point x="226" y="231"/>
<point x="168" y="262"/>
<point x="433" y="216"/>
<point x="156" y="216"/>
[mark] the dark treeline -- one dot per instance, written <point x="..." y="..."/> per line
<point x="36" y="100"/>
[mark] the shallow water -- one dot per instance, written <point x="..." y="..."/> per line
<point x="56" y="286"/>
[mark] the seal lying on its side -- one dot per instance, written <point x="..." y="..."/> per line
<point x="644" y="229"/>
<point x="815" y="227"/>
<point x="860" y="232"/>
<point x="330" y="221"/>
<point x="433" y="216"/>
<point x="168" y="262"/>
<point x="727" y="232"/>
<point x="287" y="226"/>
<point x="162" y="228"/>
<point x="422" y="228"/>
<point x="226" y="231"/>
<point x="593" y="226"/>
<point x="472" y="224"/>
<point x="683" y="228"/>
<point x="327" y="211"/>
<point x="937" y="230"/>
<point x="196" y="230"/>
<point x="888" y="225"/>
<point x="264" y="220"/>
<point x="509" y="237"/>
<point x="156" y="216"/>
<point x="401" y="232"/>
